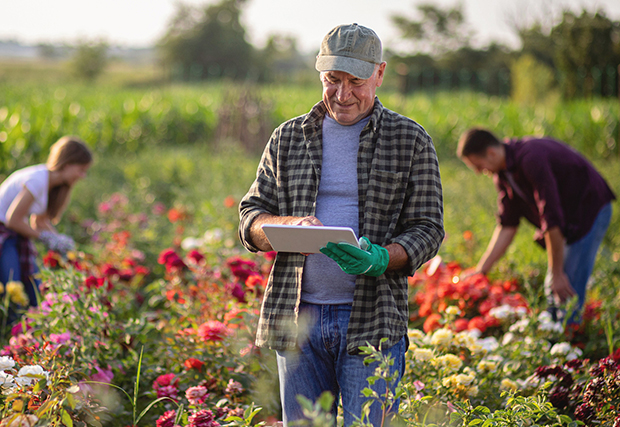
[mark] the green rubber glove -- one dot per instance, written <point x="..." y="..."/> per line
<point x="371" y="260"/>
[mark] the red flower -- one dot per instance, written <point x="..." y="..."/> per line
<point x="477" y="323"/>
<point x="192" y="363"/>
<point x="109" y="271"/>
<point x="195" y="256"/>
<point x="460" y="325"/>
<point x="241" y="268"/>
<point x="94" y="282"/>
<point x="229" y="202"/>
<point x="213" y="330"/>
<point x="432" y="322"/>
<point x="165" y="255"/>
<point x="51" y="259"/>
<point x="271" y="255"/>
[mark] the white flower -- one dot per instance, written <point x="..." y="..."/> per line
<point x="560" y="348"/>
<point x="6" y="362"/>
<point x="502" y="312"/>
<point x="489" y="344"/>
<point x="507" y="338"/>
<point x="6" y="380"/>
<point x="191" y="243"/>
<point x="30" y="374"/>
<point x="519" y="325"/>
<point x="574" y="354"/>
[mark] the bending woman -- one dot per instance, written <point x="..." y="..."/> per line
<point x="32" y="200"/>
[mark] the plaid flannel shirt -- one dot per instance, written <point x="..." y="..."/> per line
<point x="400" y="201"/>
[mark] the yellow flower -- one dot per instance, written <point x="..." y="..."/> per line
<point x="442" y="337"/>
<point x="415" y="334"/>
<point x="449" y="382"/>
<point x="465" y="379"/>
<point x="472" y="391"/>
<point x="487" y="366"/>
<point x="453" y="310"/>
<point x="1" y="288"/>
<point x="16" y="292"/>
<point x="508" y="385"/>
<point x="449" y="361"/>
<point x="423" y="354"/>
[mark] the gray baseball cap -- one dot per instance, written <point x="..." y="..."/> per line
<point x="352" y="48"/>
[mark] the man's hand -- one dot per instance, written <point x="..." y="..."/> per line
<point x="371" y="260"/>
<point x="561" y="287"/>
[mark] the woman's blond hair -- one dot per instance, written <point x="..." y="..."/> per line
<point x="68" y="150"/>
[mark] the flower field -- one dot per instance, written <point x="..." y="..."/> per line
<point x="151" y="321"/>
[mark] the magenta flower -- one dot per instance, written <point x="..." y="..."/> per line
<point x="203" y="418"/>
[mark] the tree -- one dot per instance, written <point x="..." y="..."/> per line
<point x="90" y="59"/>
<point x="208" y="42"/>
<point x="437" y="31"/>
<point x="584" y="44"/>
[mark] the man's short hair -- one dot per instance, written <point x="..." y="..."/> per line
<point x="475" y="141"/>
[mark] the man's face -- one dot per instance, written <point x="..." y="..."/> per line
<point x="482" y="164"/>
<point x="349" y="99"/>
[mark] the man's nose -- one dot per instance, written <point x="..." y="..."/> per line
<point x="344" y="91"/>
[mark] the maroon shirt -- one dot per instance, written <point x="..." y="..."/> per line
<point x="553" y="185"/>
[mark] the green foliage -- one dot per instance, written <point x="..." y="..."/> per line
<point x="532" y="81"/>
<point x="90" y="59"/>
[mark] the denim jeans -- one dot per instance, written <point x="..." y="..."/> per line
<point x="323" y="364"/>
<point x="579" y="257"/>
<point x="10" y="269"/>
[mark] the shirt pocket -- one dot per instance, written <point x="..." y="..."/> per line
<point x="384" y="198"/>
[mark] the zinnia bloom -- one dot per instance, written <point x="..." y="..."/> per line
<point x="167" y="419"/>
<point x="196" y="395"/>
<point x="192" y="363"/>
<point x="166" y="386"/>
<point x="203" y="418"/>
<point x="213" y="330"/>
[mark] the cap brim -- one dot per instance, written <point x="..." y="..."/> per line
<point x="358" y="68"/>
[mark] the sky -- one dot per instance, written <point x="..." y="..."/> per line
<point x="140" y="23"/>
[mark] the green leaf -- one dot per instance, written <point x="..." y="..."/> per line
<point x="66" y="418"/>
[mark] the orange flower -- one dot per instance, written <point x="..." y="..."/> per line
<point x="467" y="235"/>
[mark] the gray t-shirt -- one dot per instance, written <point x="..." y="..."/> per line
<point x="324" y="282"/>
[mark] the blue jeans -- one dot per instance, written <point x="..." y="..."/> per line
<point x="323" y="364"/>
<point x="10" y="269"/>
<point x="579" y="257"/>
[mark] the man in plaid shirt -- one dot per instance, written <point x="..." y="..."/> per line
<point x="348" y="162"/>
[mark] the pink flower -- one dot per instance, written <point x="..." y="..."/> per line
<point x="202" y="418"/>
<point x="102" y="375"/>
<point x="234" y="387"/>
<point x="213" y="330"/>
<point x="236" y="291"/>
<point x="167" y="386"/>
<point x="196" y="395"/>
<point x="167" y="419"/>
<point x="60" y="338"/>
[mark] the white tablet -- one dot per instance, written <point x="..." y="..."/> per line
<point x="306" y="239"/>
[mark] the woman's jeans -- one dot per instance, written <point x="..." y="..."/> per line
<point x="10" y="269"/>
<point x="579" y="258"/>
<point x="323" y="364"/>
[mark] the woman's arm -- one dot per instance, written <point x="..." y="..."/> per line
<point x="17" y="215"/>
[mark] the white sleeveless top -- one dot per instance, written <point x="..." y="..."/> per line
<point x="35" y="179"/>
